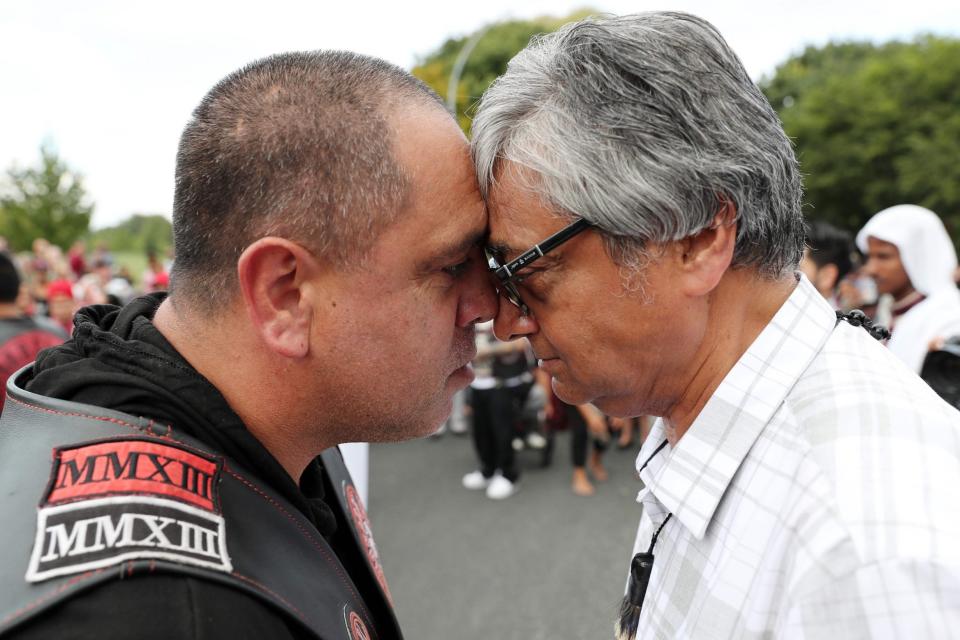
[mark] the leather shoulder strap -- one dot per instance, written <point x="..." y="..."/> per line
<point x="349" y="502"/>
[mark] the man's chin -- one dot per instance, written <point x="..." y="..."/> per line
<point x="570" y="393"/>
<point x="434" y="416"/>
<point x="413" y="430"/>
<point x="612" y="405"/>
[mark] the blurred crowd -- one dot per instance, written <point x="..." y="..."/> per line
<point x="901" y="270"/>
<point x="41" y="290"/>
<point x="54" y="283"/>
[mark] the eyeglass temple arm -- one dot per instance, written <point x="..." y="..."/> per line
<point x="507" y="270"/>
<point x="563" y="235"/>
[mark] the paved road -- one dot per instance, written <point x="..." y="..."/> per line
<point x="542" y="564"/>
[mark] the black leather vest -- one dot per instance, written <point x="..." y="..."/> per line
<point x="91" y="495"/>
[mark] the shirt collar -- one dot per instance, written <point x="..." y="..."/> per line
<point x="908" y="302"/>
<point x="690" y="479"/>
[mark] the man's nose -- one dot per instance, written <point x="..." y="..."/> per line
<point x="511" y="324"/>
<point x="478" y="302"/>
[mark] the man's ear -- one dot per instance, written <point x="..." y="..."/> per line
<point x="272" y="273"/>
<point x="706" y="256"/>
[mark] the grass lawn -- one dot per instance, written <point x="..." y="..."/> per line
<point x="135" y="261"/>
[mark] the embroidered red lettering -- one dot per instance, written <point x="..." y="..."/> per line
<point x="134" y="467"/>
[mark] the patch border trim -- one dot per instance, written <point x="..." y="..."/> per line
<point x="348" y="615"/>
<point x="365" y="536"/>
<point x="35" y="576"/>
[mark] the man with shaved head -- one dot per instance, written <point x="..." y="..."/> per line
<point x="645" y="232"/>
<point x="183" y="449"/>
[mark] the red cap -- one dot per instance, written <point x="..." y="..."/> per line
<point x="60" y="288"/>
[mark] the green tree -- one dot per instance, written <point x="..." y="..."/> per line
<point x="874" y="126"/>
<point x="48" y="201"/>
<point x="493" y="47"/>
<point x="140" y="233"/>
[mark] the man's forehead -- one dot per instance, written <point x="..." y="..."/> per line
<point x="501" y="234"/>
<point x="518" y="220"/>
<point x="878" y="246"/>
<point x="454" y="244"/>
<point x="451" y="239"/>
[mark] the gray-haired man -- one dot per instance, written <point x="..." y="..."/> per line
<point x="645" y="218"/>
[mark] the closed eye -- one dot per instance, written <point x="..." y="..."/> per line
<point x="524" y="275"/>
<point x="459" y="269"/>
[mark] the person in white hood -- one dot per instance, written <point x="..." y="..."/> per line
<point x="911" y="257"/>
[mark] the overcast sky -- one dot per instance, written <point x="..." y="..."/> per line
<point x="112" y="82"/>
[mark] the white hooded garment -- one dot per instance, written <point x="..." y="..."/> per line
<point x="929" y="259"/>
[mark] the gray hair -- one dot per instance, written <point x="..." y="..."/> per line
<point x="643" y="125"/>
<point x="295" y="145"/>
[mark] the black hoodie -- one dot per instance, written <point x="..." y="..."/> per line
<point x="118" y="360"/>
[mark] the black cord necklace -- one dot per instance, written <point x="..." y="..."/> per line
<point x="640" y="569"/>
<point x="857" y="318"/>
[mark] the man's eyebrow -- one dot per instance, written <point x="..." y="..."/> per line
<point x="474" y="239"/>
<point x="501" y="249"/>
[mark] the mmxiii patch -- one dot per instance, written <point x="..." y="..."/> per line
<point x="113" y="501"/>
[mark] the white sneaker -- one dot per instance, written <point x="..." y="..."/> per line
<point x="536" y="441"/>
<point x="475" y="481"/>
<point x="500" y="488"/>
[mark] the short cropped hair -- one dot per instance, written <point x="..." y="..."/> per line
<point x="294" y="145"/>
<point x="9" y="279"/>
<point x="643" y="125"/>
<point x="826" y="244"/>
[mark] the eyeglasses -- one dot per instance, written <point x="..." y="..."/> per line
<point x="505" y="275"/>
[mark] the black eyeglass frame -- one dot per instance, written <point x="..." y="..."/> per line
<point x="504" y="275"/>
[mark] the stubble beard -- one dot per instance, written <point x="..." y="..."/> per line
<point x="416" y="420"/>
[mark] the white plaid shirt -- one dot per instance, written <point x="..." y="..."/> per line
<point x="817" y="495"/>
